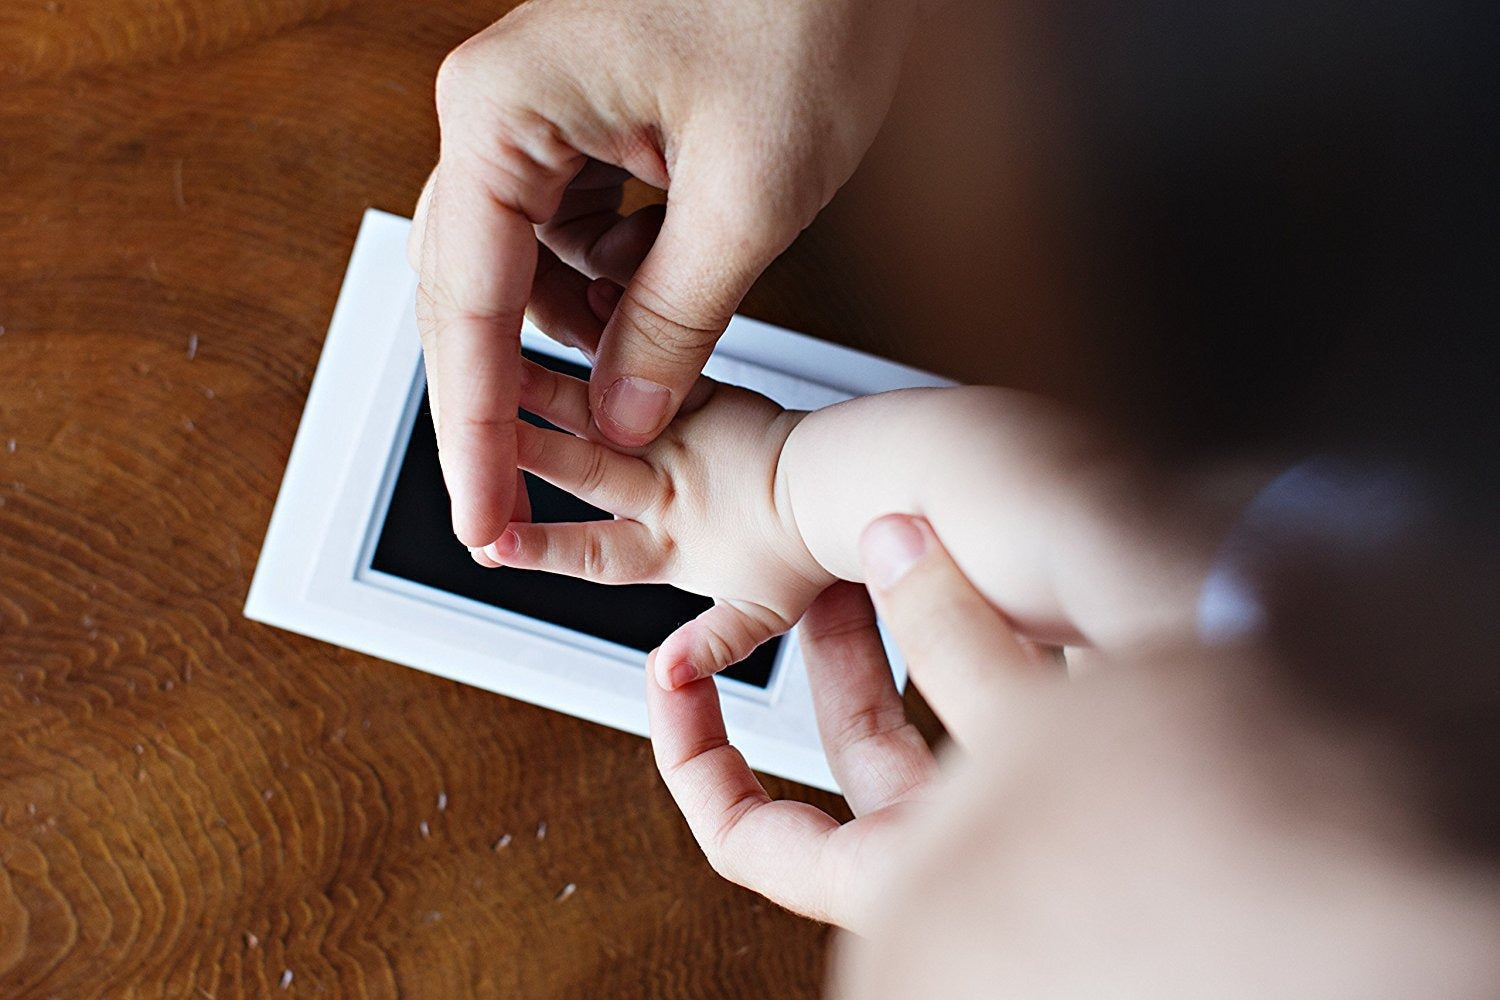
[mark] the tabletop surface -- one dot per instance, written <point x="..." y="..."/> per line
<point x="194" y="805"/>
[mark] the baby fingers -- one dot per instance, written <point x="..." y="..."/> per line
<point x="592" y="472"/>
<point x="559" y="399"/>
<point x="722" y="636"/>
<point x="613" y="552"/>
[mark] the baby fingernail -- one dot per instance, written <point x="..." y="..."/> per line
<point x="680" y="674"/>
<point x="889" y="547"/>
<point x="636" y="405"/>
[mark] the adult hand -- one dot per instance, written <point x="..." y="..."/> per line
<point x="958" y="649"/>
<point x="751" y="113"/>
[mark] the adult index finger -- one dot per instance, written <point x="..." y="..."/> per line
<point x="876" y="754"/>
<point x="779" y="849"/>
<point x="477" y="262"/>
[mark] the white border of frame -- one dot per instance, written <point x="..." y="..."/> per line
<point x="313" y="575"/>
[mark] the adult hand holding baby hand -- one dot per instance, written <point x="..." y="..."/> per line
<point x="750" y="113"/>
<point x="958" y="649"/>
<point x="700" y="507"/>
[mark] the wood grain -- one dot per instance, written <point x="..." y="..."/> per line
<point x="193" y="805"/>
<point x="51" y="38"/>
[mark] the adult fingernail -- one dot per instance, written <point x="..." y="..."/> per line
<point x="603" y="295"/>
<point x="890" y="546"/>
<point x="680" y="674"/>
<point x="636" y="405"/>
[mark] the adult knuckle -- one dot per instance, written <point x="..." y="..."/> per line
<point x="841" y="617"/>
<point x="489" y="63"/>
<point x="719" y="846"/>
<point x="435" y="306"/>
<point x="455" y="83"/>
<point x="667" y="332"/>
<point x="721" y="860"/>
<point x="536" y="137"/>
<point x="553" y="395"/>
<point x="871" y="722"/>
<point x="827" y="632"/>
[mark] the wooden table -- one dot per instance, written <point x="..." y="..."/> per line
<point x="193" y="805"/>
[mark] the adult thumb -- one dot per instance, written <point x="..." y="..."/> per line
<point x="962" y="653"/>
<point x="709" y="252"/>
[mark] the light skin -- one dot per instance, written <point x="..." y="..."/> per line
<point x="750" y="114"/>
<point x="1176" y="826"/>
<point x="1142" y="830"/>
<point x="1171" y="822"/>
<point x="955" y="646"/>
<point x="1125" y="834"/>
<point x="762" y="509"/>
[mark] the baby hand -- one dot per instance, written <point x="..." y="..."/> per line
<point x="700" y="508"/>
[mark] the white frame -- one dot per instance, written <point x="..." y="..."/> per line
<point x="313" y="576"/>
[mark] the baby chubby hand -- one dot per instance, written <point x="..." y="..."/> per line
<point x="700" y="508"/>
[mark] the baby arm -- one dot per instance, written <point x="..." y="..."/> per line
<point x="1060" y="525"/>
<point x="762" y="508"/>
